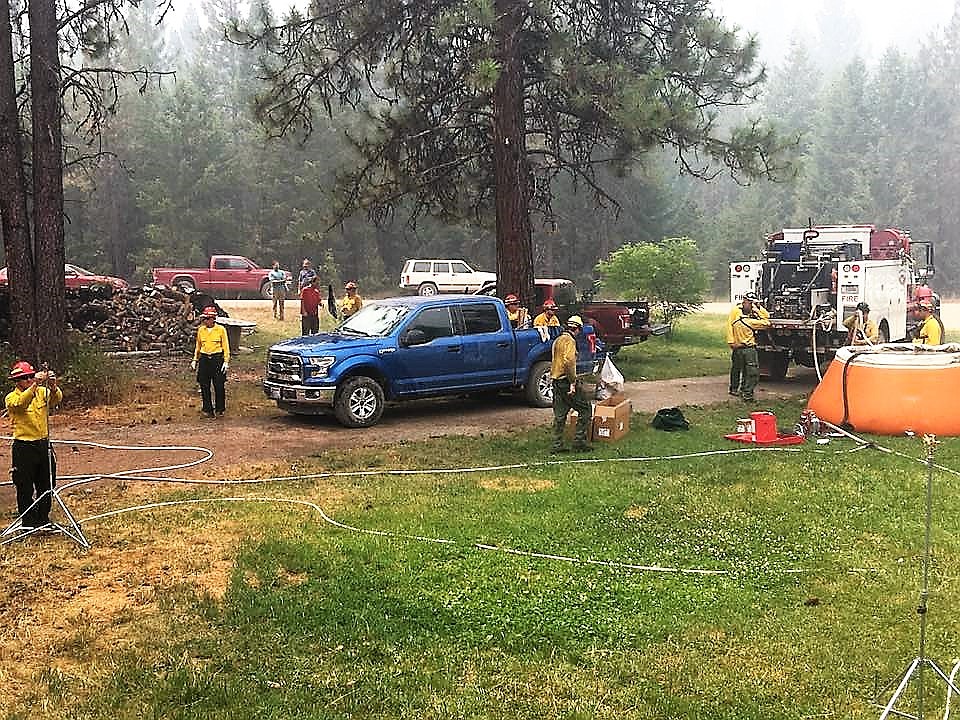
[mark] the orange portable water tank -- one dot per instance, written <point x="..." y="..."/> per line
<point x="890" y="389"/>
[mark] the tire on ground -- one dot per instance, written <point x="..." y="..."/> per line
<point x="427" y="288"/>
<point x="266" y="290"/>
<point x="539" y="389"/>
<point x="359" y="402"/>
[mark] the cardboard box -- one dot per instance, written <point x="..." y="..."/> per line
<point x="611" y="418"/>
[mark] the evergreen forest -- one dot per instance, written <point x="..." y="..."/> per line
<point x="183" y="170"/>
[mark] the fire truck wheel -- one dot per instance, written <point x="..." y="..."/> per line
<point x="775" y="364"/>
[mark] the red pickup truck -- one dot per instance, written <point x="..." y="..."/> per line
<point x="227" y="276"/>
<point x="615" y="322"/>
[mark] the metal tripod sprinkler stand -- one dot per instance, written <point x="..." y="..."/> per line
<point x="72" y="529"/>
<point x="920" y="662"/>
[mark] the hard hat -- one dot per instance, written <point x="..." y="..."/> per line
<point x="209" y="312"/>
<point x="511" y="300"/>
<point x="21" y="371"/>
<point x="863" y="307"/>
<point x="751" y="296"/>
<point x="550" y="305"/>
<point x="351" y="285"/>
<point x="575" y="321"/>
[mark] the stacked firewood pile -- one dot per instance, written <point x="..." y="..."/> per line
<point x="152" y="317"/>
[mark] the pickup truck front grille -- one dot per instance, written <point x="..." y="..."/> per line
<point x="284" y="367"/>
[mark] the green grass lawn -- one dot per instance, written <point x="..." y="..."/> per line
<point x="695" y="348"/>
<point x="322" y="622"/>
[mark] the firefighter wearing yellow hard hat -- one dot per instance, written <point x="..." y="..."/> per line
<point x="519" y="317"/>
<point x="567" y="393"/>
<point x="548" y="318"/>
<point x="34" y="467"/>
<point x="351" y="302"/>
<point x="211" y="360"/>
<point x="744" y="320"/>
<point x="930" y="331"/>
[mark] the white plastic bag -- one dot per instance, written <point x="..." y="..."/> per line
<point x="610" y="376"/>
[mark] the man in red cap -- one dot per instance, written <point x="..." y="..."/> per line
<point x="211" y="360"/>
<point x="34" y="465"/>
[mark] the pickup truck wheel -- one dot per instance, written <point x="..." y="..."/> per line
<point x="359" y="402"/>
<point x="185" y="285"/>
<point x="539" y="388"/>
<point x="427" y="289"/>
<point x="266" y="291"/>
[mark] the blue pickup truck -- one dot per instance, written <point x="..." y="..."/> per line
<point x="414" y="347"/>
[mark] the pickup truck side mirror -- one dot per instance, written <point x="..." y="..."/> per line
<point x="413" y="337"/>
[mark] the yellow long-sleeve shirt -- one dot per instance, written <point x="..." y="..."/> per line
<point x="869" y="328"/>
<point x="564" y="358"/>
<point x="349" y="305"/>
<point x="740" y="327"/>
<point x="931" y="332"/>
<point x="211" y="340"/>
<point x="542" y="320"/>
<point x="28" y="410"/>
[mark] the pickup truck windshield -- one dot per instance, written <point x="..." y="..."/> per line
<point x="373" y="320"/>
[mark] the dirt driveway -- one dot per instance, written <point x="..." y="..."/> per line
<point x="274" y="436"/>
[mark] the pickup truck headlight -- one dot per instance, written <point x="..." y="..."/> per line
<point x="317" y="366"/>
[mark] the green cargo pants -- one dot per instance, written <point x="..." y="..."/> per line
<point x="563" y="403"/>
<point x="744" y="372"/>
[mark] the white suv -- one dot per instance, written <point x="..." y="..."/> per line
<point x="429" y="277"/>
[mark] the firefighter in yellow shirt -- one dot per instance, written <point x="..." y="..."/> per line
<point x="519" y="317"/>
<point x="567" y="394"/>
<point x="863" y="330"/>
<point x="351" y="302"/>
<point x="548" y="318"/>
<point x="743" y="321"/>
<point x="34" y="467"/>
<point x="211" y="360"/>
<point x="930" y="331"/>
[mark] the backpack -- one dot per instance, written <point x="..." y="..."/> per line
<point x="670" y="419"/>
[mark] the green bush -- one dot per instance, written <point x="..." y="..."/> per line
<point x="92" y="377"/>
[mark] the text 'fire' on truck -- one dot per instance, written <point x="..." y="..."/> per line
<point x="812" y="279"/>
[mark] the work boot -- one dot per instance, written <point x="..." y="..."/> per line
<point x="582" y="447"/>
<point x="558" y="449"/>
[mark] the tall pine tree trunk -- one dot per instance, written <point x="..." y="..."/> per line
<point x="14" y="215"/>
<point x="47" y="182"/>
<point x="514" y="241"/>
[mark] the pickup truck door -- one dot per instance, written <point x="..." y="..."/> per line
<point x="233" y="275"/>
<point x="434" y="366"/>
<point x="488" y="347"/>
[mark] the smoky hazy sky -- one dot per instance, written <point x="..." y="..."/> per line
<point x="883" y="23"/>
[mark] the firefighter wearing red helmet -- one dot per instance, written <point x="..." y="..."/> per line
<point x="211" y="360"/>
<point x="34" y="466"/>
<point x="351" y="302"/>
<point x="519" y="317"/>
<point x="930" y="330"/>
<point x="548" y="318"/>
